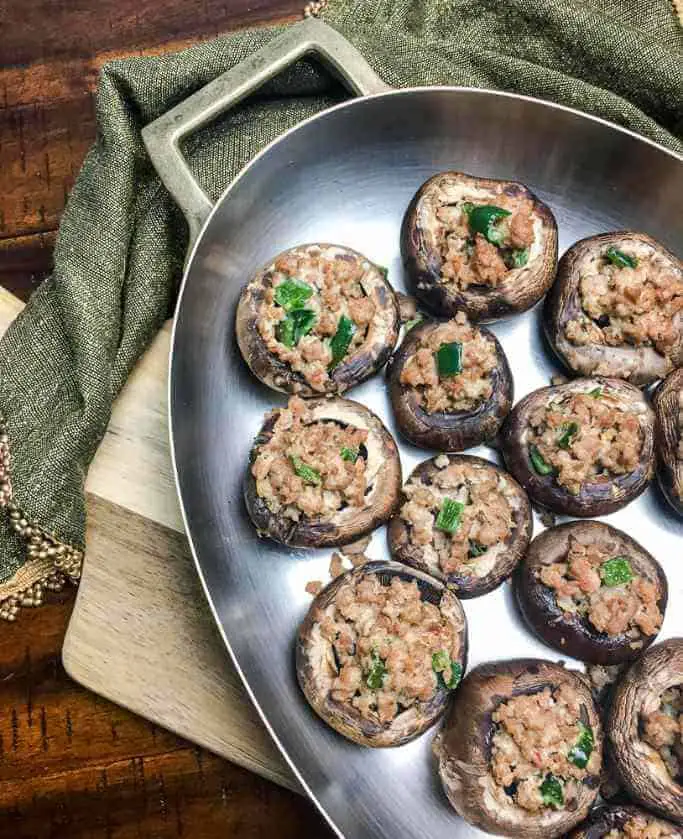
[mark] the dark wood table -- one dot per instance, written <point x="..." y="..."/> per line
<point x="73" y="765"/>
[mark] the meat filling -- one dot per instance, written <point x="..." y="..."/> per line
<point x="628" y="305"/>
<point x="598" y="584"/>
<point x="438" y="389"/>
<point x="541" y="751"/>
<point x="641" y="827"/>
<point x="584" y="437"/>
<point x="485" y="522"/>
<point x="304" y="307"/>
<point x="311" y="467"/>
<point x="389" y="648"/>
<point x="663" y="730"/>
<point x="680" y="443"/>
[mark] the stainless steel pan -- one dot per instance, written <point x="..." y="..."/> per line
<point x="346" y="176"/>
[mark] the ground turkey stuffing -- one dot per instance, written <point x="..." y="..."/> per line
<point x="579" y="587"/>
<point x="586" y="437"/>
<point x="335" y="290"/>
<point x="663" y="730"/>
<point x="640" y="827"/>
<point x="680" y="440"/>
<point x="386" y="643"/>
<point x="468" y="257"/>
<point x="486" y="520"/>
<point x="463" y="391"/>
<point x="533" y="749"/>
<point x="302" y="468"/>
<point x="623" y="305"/>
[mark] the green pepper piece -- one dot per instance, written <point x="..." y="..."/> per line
<point x="581" y="751"/>
<point x="412" y="323"/>
<point x="540" y="464"/>
<point x="292" y="294"/>
<point x="292" y="329"/>
<point x="449" y="515"/>
<point x="449" y="359"/>
<point x="596" y="393"/>
<point x="569" y="430"/>
<point x="484" y="218"/>
<point x="520" y="257"/>
<point x="376" y="673"/>
<point x="616" y="571"/>
<point x="308" y="473"/>
<point x="621" y="259"/>
<point x="349" y="454"/>
<point x="551" y="792"/>
<point x="456" y="675"/>
<point x="440" y="661"/>
<point x="476" y="549"/>
<point x="341" y="341"/>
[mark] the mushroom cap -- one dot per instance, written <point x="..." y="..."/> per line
<point x="638" y="365"/>
<point x="465" y="749"/>
<point x="572" y="634"/>
<point x="521" y="287"/>
<point x="639" y="766"/>
<point x="667" y="439"/>
<point x="604" y="819"/>
<point x="595" y="498"/>
<point x="383" y="469"/>
<point x="505" y="560"/>
<point x="356" y="366"/>
<point x="312" y="650"/>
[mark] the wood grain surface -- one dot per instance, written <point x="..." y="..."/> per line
<point x="72" y="764"/>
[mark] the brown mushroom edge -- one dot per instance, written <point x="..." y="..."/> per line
<point x="573" y="634"/>
<point x="638" y="365"/>
<point x="512" y="549"/>
<point x="603" y="820"/>
<point x="464" y="750"/>
<point x="348" y="524"/>
<point x="668" y="433"/>
<point x="312" y="650"/>
<point x="595" y="498"/>
<point x="640" y="768"/>
<point x="448" y="431"/>
<point x="354" y="368"/>
<point x="420" y="250"/>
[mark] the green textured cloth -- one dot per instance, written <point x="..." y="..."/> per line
<point x="121" y="245"/>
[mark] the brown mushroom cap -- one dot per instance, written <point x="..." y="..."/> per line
<point x="356" y="366"/>
<point x="465" y="749"/>
<point x="667" y="439"/>
<point x="383" y="469"/>
<point x="638" y="365"/>
<point x="312" y="651"/>
<point x="511" y="550"/>
<point x="638" y="692"/>
<point x="604" y="819"/>
<point x="421" y="252"/>
<point x="448" y="431"/>
<point x="596" y="498"/>
<point x="572" y="634"/>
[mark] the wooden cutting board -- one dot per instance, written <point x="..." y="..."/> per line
<point x="141" y="633"/>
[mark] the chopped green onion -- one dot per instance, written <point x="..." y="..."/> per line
<point x="349" y="454"/>
<point x="292" y="294"/>
<point x="551" y="792"/>
<point x="449" y="359"/>
<point x="310" y="475"/>
<point x="292" y="329"/>
<point x="596" y="393"/>
<point x="621" y="259"/>
<point x="414" y="322"/>
<point x="568" y="431"/>
<point x="440" y="661"/>
<point x="341" y="341"/>
<point x="483" y="219"/>
<point x="476" y="549"/>
<point x="449" y="515"/>
<point x="580" y="753"/>
<point x="376" y="673"/>
<point x="616" y="571"/>
<point x="540" y="464"/>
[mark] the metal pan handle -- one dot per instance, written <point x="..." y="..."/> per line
<point x="162" y="137"/>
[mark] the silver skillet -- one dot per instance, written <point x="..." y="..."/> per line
<point x="346" y="176"/>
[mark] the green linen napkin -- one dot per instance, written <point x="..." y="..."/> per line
<point x="120" y="250"/>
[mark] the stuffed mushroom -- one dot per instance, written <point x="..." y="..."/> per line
<point x="668" y="404"/>
<point x="591" y="592"/>
<point x="521" y="751"/>
<point x="483" y="246"/>
<point x="645" y="729"/>
<point x="450" y="385"/>
<point x="585" y="448"/>
<point x="317" y="320"/>
<point x="616" y="308"/>
<point x="463" y="520"/>
<point x="322" y="472"/>
<point x="380" y="651"/>
<point x="625" y="822"/>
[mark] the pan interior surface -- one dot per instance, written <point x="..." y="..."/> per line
<point x="346" y="177"/>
